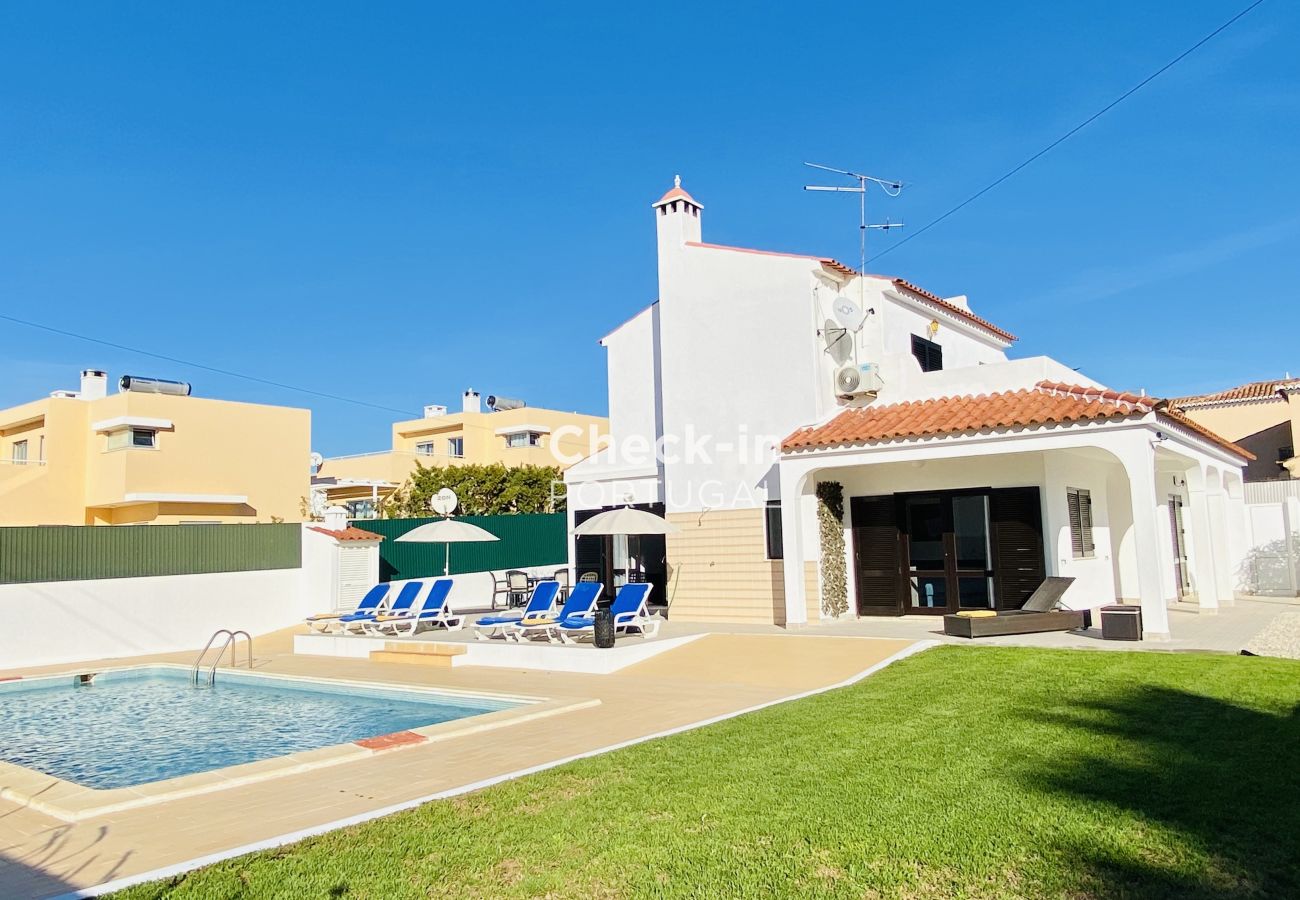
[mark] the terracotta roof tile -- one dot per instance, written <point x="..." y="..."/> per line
<point x="1047" y="403"/>
<point x="351" y="533"/>
<point x="1255" y="391"/>
<point x="954" y="309"/>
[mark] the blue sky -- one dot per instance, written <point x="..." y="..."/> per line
<point x="398" y="201"/>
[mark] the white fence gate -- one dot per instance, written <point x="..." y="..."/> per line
<point x="1272" y="566"/>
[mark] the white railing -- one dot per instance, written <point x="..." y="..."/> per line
<point x="420" y="453"/>
<point x="1272" y="491"/>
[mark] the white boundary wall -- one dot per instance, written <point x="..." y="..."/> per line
<point x="69" y="621"/>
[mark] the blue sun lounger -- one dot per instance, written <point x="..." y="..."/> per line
<point x="371" y="603"/>
<point x="433" y="610"/>
<point x="628" y="609"/>
<point x="581" y="602"/>
<point x="355" y="622"/>
<point x="539" y="605"/>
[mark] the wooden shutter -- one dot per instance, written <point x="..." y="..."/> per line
<point x="1079" y="502"/>
<point x="1085" y="522"/>
<point x="927" y="353"/>
<point x="877" y="555"/>
<point x="1016" y="535"/>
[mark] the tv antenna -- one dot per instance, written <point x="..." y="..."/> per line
<point x="891" y="189"/>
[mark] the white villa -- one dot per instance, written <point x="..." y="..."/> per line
<point x="966" y="476"/>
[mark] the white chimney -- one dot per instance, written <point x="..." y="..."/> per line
<point x="677" y="223"/>
<point x="94" y="384"/>
<point x="433" y="410"/>
<point x="470" y="402"/>
<point x="336" y="518"/>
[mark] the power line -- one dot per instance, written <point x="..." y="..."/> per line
<point x="194" y="365"/>
<point x="1075" y="130"/>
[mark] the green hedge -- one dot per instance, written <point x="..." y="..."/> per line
<point x="84" y="552"/>
<point x="526" y="540"/>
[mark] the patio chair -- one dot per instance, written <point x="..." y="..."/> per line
<point x="580" y="603"/>
<point x="354" y="623"/>
<point x="516" y="587"/>
<point x="434" y="611"/>
<point x="628" y="609"/>
<point x="589" y="577"/>
<point x="561" y="577"/>
<point x="539" y="606"/>
<point x="372" y="602"/>
<point x="1041" y="612"/>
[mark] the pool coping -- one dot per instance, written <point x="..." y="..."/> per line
<point x="69" y="801"/>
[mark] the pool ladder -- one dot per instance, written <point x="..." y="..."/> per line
<point x="231" y="639"/>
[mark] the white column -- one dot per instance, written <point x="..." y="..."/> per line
<point x="793" y="482"/>
<point x="1204" y="580"/>
<point x="1220" y="543"/>
<point x="1140" y="466"/>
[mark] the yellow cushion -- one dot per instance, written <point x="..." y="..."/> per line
<point x="977" y="614"/>
<point x="537" y="620"/>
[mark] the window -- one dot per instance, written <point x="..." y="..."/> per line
<point x="361" y="509"/>
<point x="424" y="448"/>
<point x="132" y="437"/>
<point x="456" y="446"/>
<point x="1080" y="504"/>
<point x="772" y="528"/>
<point x="19" y="456"/>
<point x="927" y="353"/>
<point x="524" y="439"/>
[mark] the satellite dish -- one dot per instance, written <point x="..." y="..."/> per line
<point x="317" y="461"/>
<point x="444" y="502"/>
<point x="838" y="343"/>
<point x="849" y="314"/>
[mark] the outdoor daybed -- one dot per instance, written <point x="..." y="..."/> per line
<point x="1041" y="612"/>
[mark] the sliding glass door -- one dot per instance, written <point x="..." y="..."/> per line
<point x="944" y="551"/>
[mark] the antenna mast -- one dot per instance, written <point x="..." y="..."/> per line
<point x="891" y="189"/>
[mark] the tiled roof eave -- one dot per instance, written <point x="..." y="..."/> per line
<point x="950" y="436"/>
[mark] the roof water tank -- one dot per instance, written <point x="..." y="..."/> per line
<point x="140" y="385"/>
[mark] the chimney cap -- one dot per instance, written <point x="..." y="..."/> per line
<point x="677" y="192"/>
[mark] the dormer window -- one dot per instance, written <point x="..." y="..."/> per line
<point x="927" y="353"/>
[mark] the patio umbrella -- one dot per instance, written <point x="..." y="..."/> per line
<point x="448" y="531"/>
<point x="625" y="520"/>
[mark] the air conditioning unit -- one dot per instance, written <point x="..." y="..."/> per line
<point x="858" y="380"/>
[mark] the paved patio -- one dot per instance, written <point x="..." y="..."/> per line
<point x="714" y="676"/>
<point x="728" y="670"/>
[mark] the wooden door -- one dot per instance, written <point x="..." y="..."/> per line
<point x="1016" y="541"/>
<point x="877" y="555"/>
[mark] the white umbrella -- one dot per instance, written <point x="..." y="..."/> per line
<point x="626" y="520"/>
<point x="448" y="531"/>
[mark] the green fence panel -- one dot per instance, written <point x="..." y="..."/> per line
<point x="525" y="540"/>
<point x="83" y="552"/>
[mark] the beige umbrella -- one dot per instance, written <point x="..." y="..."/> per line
<point x="448" y="531"/>
<point x="626" y="520"/>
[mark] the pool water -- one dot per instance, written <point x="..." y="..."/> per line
<point x="140" y="725"/>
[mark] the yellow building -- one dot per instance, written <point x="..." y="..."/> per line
<point x="140" y="456"/>
<point x="1263" y="417"/>
<point x="510" y="433"/>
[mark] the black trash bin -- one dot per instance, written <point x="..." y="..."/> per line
<point x="1121" y="622"/>
<point x="604" y="629"/>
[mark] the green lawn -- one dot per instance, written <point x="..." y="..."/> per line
<point x="960" y="772"/>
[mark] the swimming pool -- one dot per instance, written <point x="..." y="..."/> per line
<point x="128" y="727"/>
